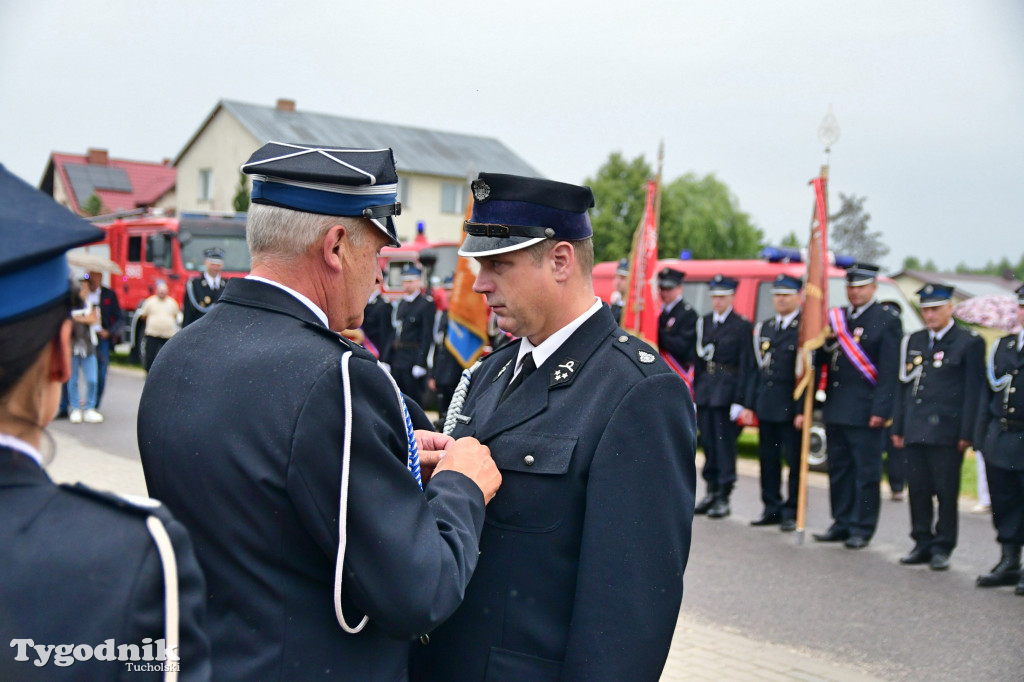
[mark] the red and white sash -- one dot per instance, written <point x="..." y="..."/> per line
<point x="851" y="346"/>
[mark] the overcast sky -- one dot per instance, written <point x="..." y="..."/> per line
<point x="929" y="95"/>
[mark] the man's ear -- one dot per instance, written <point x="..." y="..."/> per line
<point x="332" y="246"/>
<point x="563" y="258"/>
<point x="60" y="354"/>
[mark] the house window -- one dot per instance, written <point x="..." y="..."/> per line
<point x="205" y="184"/>
<point x="453" y="197"/>
<point x="403" y="191"/>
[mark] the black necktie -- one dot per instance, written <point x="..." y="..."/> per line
<point x="525" y="371"/>
<point x="931" y="341"/>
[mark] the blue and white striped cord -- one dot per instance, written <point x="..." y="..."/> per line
<point x="458" y="399"/>
<point x="413" y="457"/>
<point x="346" y="387"/>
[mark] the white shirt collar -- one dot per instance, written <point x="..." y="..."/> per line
<point x="409" y="298"/>
<point x="719" y="319"/>
<point x="305" y="301"/>
<point x="667" y="308"/>
<point x="551" y="344"/>
<point x="788" y="319"/>
<point x="942" y="332"/>
<point x="856" y="312"/>
<point x="213" y="282"/>
<point x="9" y="441"/>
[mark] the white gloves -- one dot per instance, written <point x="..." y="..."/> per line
<point x="735" y="410"/>
<point x="418" y="372"/>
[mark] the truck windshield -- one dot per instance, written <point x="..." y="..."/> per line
<point x="236" y="252"/>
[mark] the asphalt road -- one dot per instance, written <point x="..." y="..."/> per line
<point x="855" y="607"/>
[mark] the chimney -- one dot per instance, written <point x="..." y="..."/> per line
<point x="98" y="157"/>
<point x="286" y="105"/>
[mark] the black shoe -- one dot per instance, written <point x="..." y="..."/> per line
<point x="767" y="520"/>
<point x="704" y="505"/>
<point x="918" y="555"/>
<point x="63" y="414"/>
<point x="1006" y="572"/>
<point x="720" y="509"/>
<point x="832" y="535"/>
<point x="939" y="562"/>
<point x="856" y="542"/>
<point x="788" y="525"/>
<point x="1019" y="590"/>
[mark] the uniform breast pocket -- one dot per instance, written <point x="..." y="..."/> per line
<point x="535" y="488"/>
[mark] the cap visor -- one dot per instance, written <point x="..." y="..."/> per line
<point x="387" y="226"/>
<point x="474" y="246"/>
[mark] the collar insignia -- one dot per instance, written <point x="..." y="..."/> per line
<point x="564" y="372"/>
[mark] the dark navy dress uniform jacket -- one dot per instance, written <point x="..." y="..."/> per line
<point x="940" y="406"/>
<point x="733" y="359"/>
<point x="79" y="566"/>
<point x="585" y="544"/>
<point x="1003" y="447"/>
<point x="241" y="430"/>
<point x="852" y="401"/>
<point x="770" y="388"/>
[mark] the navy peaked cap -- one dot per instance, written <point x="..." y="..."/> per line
<point x="720" y="285"/>
<point x="35" y="234"/>
<point x="860" y="274"/>
<point x="1020" y="295"/>
<point x="623" y="267"/>
<point x="512" y="212"/>
<point x="784" y="284"/>
<point x="669" y="278"/>
<point x="932" y="295"/>
<point x="338" y="181"/>
<point x="410" y="271"/>
<point x="215" y="253"/>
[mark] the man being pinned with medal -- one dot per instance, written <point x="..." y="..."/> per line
<point x="202" y="292"/>
<point x="1000" y="435"/>
<point x="863" y="359"/>
<point x="719" y="383"/>
<point x="770" y="391"/>
<point x="583" y="553"/>
<point x="941" y="374"/>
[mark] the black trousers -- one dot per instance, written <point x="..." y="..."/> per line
<point x="854" y="475"/>
<point x="895" y="465"/>
<point x="153" y="346"/>
<point x="718" y="437"/>
<point x="933" y="473"/>
<point x="777" y="440"/>
<point x="1006" y="488"/>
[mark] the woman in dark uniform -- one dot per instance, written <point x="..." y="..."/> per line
<point x="92" y="586"/>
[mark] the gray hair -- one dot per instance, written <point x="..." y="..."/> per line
<point x="284" y="233"/>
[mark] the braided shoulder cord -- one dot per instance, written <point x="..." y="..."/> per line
<point x="458" y="399"/>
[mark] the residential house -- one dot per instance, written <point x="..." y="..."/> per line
<point x="73" y="179"/>
<point x="433" y="167"/>
<point x="965" y="285"/>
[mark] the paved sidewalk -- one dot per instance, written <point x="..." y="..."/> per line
<point x="710" y="653"/>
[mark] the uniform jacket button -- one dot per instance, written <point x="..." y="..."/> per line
<point x="528" y="460"/>
<point x="424" y="639"/>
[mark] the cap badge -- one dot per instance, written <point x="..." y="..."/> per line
<point x="645" y="357"/>
<point x="929" y="289"/>
<point x="481" y="190"/>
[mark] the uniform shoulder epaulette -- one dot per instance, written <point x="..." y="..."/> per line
<point x="140" y="506"/>
<point x="641" y="353"/>
<point x="891" y="310"/>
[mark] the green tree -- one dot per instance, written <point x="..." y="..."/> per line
<point x="698" y="214"/>
<point x="241" y="200"/>
<point x="701" y="215"/>
<point x="619" y="193"/>
<point x="849" y="233"/>
<point x="791" y="241"/>
<point x="930" y="266"/>
<point x="93" y="206"/>
<point x="911" y="263"/>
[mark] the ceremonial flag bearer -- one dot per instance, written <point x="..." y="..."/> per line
<point x="863" y="363"/>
